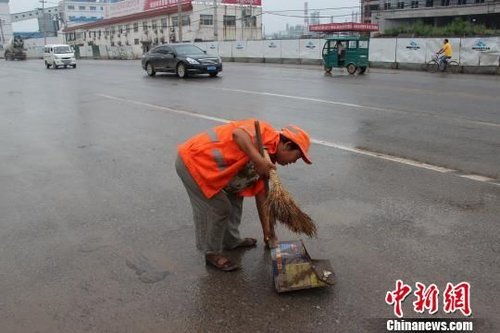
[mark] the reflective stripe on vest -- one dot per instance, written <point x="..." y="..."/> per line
<point x="216" y="153"/>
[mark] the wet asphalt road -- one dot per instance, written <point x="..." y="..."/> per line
<point x="96" y="232"/>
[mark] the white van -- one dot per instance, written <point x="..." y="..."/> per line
<point x="59" y="55"/>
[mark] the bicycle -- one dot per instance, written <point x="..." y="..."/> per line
<point x="436" y="64"/>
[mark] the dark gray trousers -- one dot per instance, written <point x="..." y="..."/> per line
<point x="217" y="219"/>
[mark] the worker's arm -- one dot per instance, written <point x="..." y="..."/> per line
<point x="244" y="141"/>
<point x="270" y="239"/>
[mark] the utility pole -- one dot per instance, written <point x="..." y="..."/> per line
<point x="2" y="39"/>
<point x="179" y="19"/>
<point x="216" y="31"/>
<point x="43" y="22"/>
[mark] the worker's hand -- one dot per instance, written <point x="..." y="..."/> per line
<point x="263" y="167"/>
<point x="270" y="242"/>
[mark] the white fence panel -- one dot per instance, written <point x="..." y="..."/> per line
<point x="382" y="50"/>
<point x="226" y="49"/>
<point x="480" y="51"/>
<point x="310" y="48"/>
<point x="290" y="49"/>
<point x="255" y="49"/>
<point x="239" y="49"/>
<point x="211" y="48"/>
<point x="271" y="48"/>
<point x="410" y="50"/>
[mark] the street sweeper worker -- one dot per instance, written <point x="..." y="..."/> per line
<point x="223" y="165"/>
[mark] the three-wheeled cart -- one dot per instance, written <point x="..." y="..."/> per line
<point x="345" y="46"/>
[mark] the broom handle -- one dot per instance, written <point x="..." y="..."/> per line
<point x="261" y="149"/>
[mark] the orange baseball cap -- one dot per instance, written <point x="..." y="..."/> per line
<point x="300" y="138"/>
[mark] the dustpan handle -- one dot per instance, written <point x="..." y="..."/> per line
<point x="260" y="146"/>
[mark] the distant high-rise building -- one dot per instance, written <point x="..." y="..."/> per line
<point x="314" y="18"/>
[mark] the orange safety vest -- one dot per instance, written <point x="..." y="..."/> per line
<point x="214" y="159"/>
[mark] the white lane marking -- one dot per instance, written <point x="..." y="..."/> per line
<point x="364" y="152"/>
<point x="186" y="113"/>
<point x="359" y="106"/>
<point x="384" y="156"/>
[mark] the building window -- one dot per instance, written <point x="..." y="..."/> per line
<point x="144" y="26"/>
<point x="387" y="5"/>
<point x="112" y="30"/>
<point x="401" y="5"/>
<point x="206" y="20"/>
<point x="229" y="20"/>
<point x="185" y="20"/>
<point x="154" y="24"/>
<point x="71" y="7"/>
<point x="127" y="28"/>
<point x="136" y="41"/>
<point x="163" y="23"/>
<point x="81" y="7"/>
<point x="462" y="2"/>
<point x="479" y="1"/>
<point x="414" y="4"/>
<point x="136" y="27"/>
<point x="429" y="3"/>
<point x="93" y="8"/>
<point x="120" y="29"/>
<point x="445" y="2"/>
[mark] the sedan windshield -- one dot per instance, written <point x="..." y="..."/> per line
<point x="188" y="50"/>
<point x="62" y="49"/>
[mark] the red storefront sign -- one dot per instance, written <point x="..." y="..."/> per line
<point x="157" y="4"/>
<point x="243" y="2"/>
<point x="348" y="26"/>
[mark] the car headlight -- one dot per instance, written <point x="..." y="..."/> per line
<point x="192" y="61"/>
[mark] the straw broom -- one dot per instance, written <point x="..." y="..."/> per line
<point x="280" y="204"/>
<point x="282" y="207"/>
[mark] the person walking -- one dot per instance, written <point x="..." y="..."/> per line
<point x="220" y="167"/>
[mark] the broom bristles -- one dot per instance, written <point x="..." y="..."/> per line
<point x="282" y="207"/>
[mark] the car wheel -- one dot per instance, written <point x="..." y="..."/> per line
<point x="150" y="69"/>
<point x="362" y="70"/>
<point x="54" y="65"/>
<point x="181" y="70"/>
<point x="328" y="69"/>
<point x="74" y="66"/>
<point x="47" y="65"/>
<point x="213" y="74"/>
<point x="351" y="68"/>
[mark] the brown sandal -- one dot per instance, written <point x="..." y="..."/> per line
<point x="221" y="263"/>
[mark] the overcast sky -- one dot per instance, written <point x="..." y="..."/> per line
<point x="272" y="23"/>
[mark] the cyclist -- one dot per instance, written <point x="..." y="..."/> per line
<point x="448" y="53"/>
